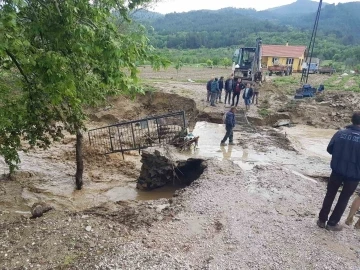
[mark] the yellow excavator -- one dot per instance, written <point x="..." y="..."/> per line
<point x="247" y="62"/>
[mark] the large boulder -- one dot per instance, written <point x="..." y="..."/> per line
<point x="160" y="167"/>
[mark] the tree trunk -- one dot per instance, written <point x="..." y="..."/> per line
<point x="79" y="161"/>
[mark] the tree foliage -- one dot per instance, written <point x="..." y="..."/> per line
<point x="226" y="62"/>
<point x="58" y="57"/>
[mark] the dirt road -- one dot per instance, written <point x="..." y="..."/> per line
<point x="254" y="207"/>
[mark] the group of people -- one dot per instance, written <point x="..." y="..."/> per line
<point x="233" y="88"/>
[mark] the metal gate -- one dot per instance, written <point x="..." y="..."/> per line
<point x="137" y="134"/>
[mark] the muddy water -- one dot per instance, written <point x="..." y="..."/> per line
<point x="47" y="176"/>
<point x="309" y="140"/>
<point x="209" y="146"/>
<point x="312" y="143"/>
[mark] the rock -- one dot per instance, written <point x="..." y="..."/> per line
<point x="333" y="113"/>
<point x="159" y="169"/>
<point x="323" y="118"/>
<point x="325" y="103"/>
<point x="39" y="208"/>
<point x="161" y="207"/>
<point x="282" y="122"/>
<point x="88" y="228"/>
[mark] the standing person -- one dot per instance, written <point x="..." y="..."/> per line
<point x="221" y="87"/>
<point x="247" y="95"/>
<point x="256" y="94"/>
<point x="345" y="165"/>
<point x="354" y="208"/>
<point x="214" y="91"/>
<point x="238" y="86"/>
<point x="228" y="88"/>
<point x="229" y="126"/>
<point x="208" y="88"/>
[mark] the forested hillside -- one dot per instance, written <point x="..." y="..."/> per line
<point x="230" y="26"/>
<point x="298" y="7"/>
<point x="338" y="30"/>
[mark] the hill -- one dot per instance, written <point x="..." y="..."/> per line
<point x="298" y="7"/>
<point x="230" y="26"/>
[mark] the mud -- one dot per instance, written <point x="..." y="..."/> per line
<point x="152" y="103"/>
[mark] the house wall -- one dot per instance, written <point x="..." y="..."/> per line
<point x="267" y="61"/>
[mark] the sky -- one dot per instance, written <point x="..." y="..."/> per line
<point x="168" y="6"/>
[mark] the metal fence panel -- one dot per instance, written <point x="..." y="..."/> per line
<point x="137" y="134"/>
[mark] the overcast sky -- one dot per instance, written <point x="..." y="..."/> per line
<point x="168" y="6"/>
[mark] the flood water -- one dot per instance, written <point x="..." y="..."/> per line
<point x="209" y="146"/>
<point x="54" y="182"/>
<point x="307" y="140"/>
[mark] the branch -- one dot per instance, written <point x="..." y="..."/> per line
<point x="57" y="7"/>
<point x="17" y="64"/>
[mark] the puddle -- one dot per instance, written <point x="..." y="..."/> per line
<point x="209" y="146"/>
<point x="310" y="140"/>
<point x="311" y="143"/>
<point x="131" y="193"/>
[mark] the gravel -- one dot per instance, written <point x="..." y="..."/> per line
<point x="261" y="219"/>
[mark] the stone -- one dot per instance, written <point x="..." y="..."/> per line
<point x="88" y="228"/>
<point x="161" y="207"/>
<point x="39" y="208"/>
<point x="282" y="122"/>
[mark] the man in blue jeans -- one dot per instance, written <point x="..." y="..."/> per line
<point x="229" y="125"/>
<point x="247" y="95"/>
<point x="345" y="165"/>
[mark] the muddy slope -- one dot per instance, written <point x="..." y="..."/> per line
<point x="152" y="103"/>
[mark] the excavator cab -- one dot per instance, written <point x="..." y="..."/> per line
<point x="247" y="62"/>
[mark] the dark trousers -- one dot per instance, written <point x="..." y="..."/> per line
<point x="334" y="184"/>
<point x="219" y="95"/>
<point x="227" y="96"/>
<point x="229" y="134"/>
<point x="213" y="98"/>
<point x="255" y="98"/>
<point x="237" y="95"/>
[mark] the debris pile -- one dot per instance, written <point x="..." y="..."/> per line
<point x="159" y="169"/>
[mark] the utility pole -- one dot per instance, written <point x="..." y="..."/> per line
<point x="310" y="49"/>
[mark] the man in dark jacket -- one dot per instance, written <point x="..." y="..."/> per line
<point x="247" y="95"/>
<point x="237" y="88"/>
<point x="229" y="125"/>
<point x="214" y="89"/>
<point x="221" y="87"/>
<point x="345" y="165"/>
<point x="228" y="88"/>
<point x="208" y="88"/>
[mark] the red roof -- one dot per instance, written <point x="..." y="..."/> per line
<point x="283" y="51"/>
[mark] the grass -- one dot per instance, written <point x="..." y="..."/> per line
<point x="69" y="260"/>
<point x="342" y="83"/>
<point x="286" y="80"/>
<point x="287" y="83"/>
<point x="333" y="83"/>
<point x="263" y="112"/>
